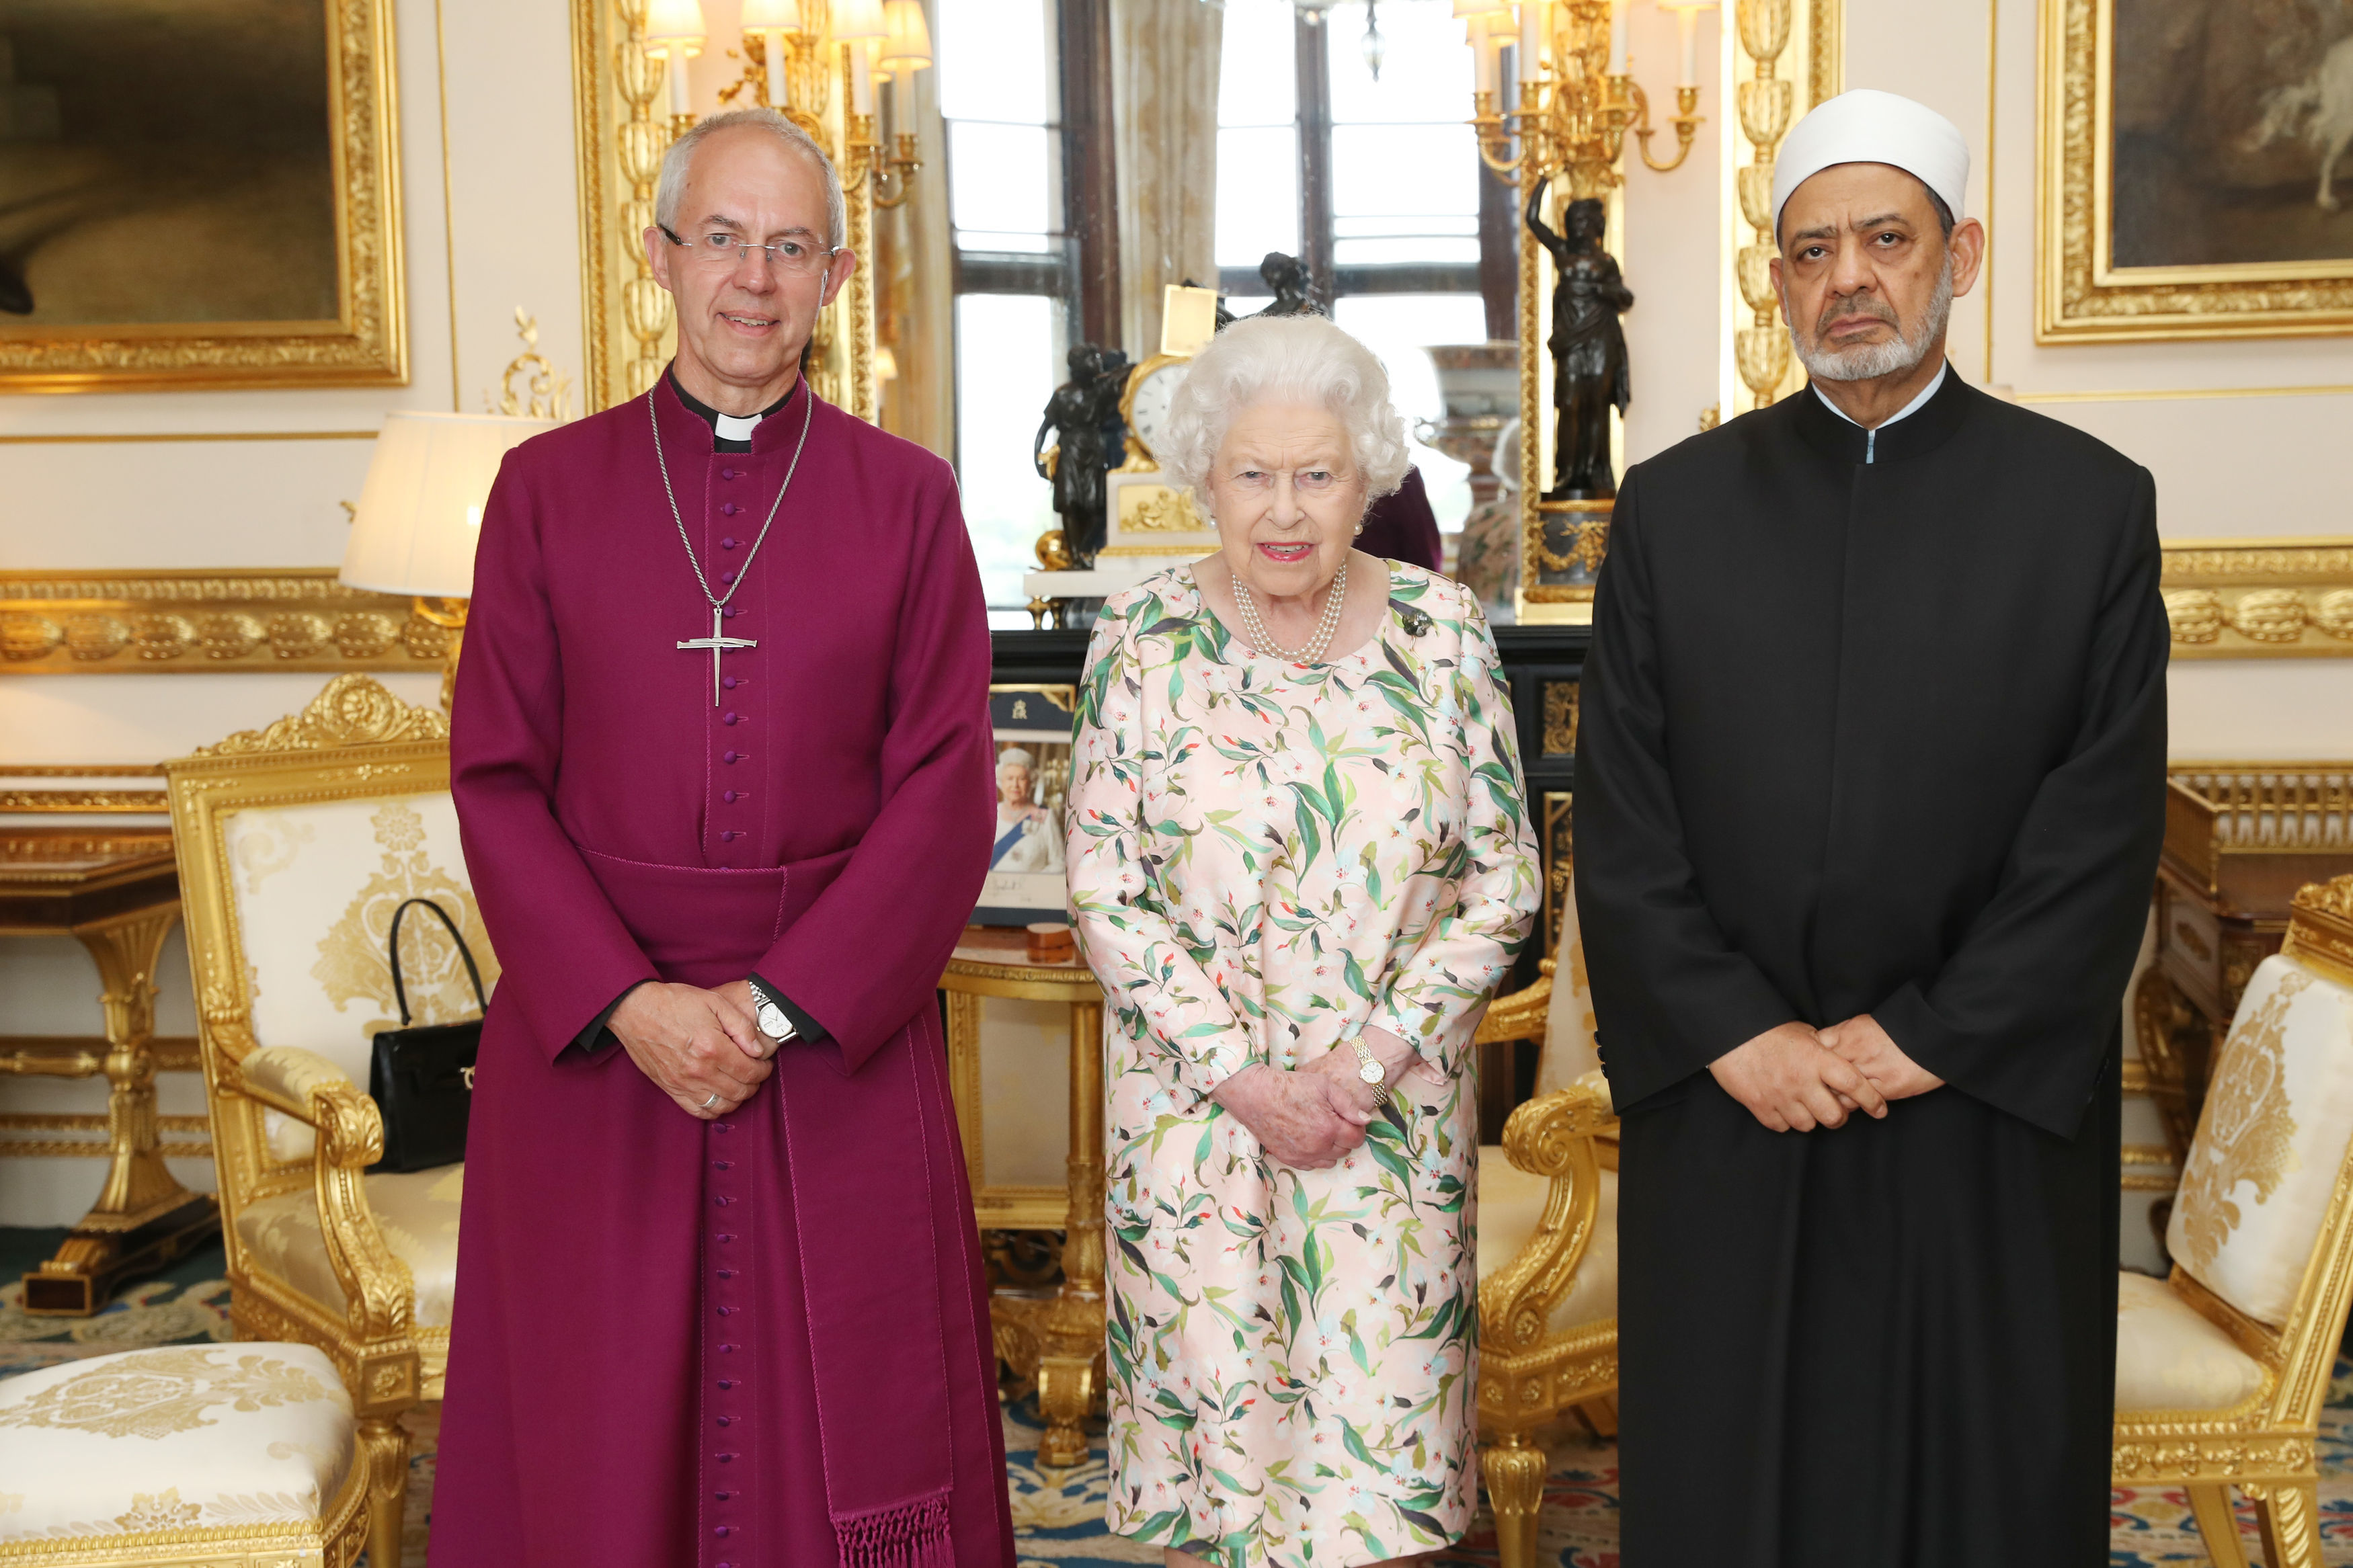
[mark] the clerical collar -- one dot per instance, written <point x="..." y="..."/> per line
<point x="732" y="432"/>
<point x="1871" y="436"/>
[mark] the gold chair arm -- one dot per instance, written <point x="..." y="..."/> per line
<point x="1551" y="1135"/>
<point x="379" y="1289"/>
<point x="1520" y="1015"/>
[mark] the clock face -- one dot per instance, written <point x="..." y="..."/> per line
<point x="1149" y="408"/>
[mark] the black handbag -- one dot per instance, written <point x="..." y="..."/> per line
<point x="422" y="1078"/>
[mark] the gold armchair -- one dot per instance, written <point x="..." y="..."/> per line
<point x="1547" y="1249"/>
<point x="295" y="844"/>
<point x="2222" y="1370"/>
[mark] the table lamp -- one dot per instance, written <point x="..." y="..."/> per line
<point x="421" y="510"/>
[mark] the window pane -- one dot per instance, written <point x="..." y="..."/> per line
<point x="1426" y="67"/>
<point x="1403" y="169"/>
<point x="999" y="181"/>
<point x="997" y="60"/>
<point x="1010" y="350"/>
<point x="1397" y="327"/>
<point x="1256" y="81"/>
<point x="1258" y="195"/>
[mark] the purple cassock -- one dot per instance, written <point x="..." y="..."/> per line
<point x="760" y="1342"/>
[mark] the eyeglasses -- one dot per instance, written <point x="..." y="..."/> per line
<point x="792" y="257"/>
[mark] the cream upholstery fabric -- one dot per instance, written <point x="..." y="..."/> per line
<point x="417" y="1213"/>
<point x="2263" y="1168"/>
<point x="1511" y="1202"/>
<point x="2168" y="1357"/>
<point x="183" y="1438"/>
<point x="1569" y="1050"/>
<point x="315" y="886"/>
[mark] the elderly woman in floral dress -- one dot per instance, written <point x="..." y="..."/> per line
<point x="1299" y="863"/>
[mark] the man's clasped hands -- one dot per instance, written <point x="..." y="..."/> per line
<point x="1313" y="1118"/>
<point x="1795" y="1077"/>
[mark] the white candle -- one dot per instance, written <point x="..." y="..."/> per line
<point x="902" y="98"/>
<point x="1531" y="21"/>
<point x="1687" y="34"/>
<point x="1617" y="37"/>
<point x="861" y="75"/>
<point x="780" y="92"/>
<point x="678" y="100"/>
<point x="1482" y="55"/>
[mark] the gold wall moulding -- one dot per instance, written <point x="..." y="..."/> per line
<point x="2260" y="598"/>
<point x="32" y="789"/>
<point x="208" y="622"/>
<point x="139" y="438"/>
<point x="2081" y="294"/>
<point x="364" y="342"/>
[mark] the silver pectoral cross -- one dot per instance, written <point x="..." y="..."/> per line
<point x="717" y="645"/>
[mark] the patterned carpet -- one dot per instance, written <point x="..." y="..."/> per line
<point x="1058" y="1517"/>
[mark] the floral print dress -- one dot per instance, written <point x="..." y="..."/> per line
<point x="1265" y="857"/>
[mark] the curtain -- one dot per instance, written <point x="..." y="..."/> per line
<point x="1164" y="96"/>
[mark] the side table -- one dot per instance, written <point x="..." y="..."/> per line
<point x="1057" y="1339"/>
<point x="118" y="894"/>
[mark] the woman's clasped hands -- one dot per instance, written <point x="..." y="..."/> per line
<point x="1313" y="1118"/>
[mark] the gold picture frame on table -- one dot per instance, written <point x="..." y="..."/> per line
<point x="2180" y="184"/>
<point x="202" y="198"/>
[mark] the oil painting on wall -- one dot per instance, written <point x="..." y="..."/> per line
<point x="2198" y="168"/>
<point x="197" y="192"/>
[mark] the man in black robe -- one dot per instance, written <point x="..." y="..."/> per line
<point x="1870" y="791"/>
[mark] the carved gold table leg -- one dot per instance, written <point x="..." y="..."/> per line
<point x="143" y="1219"/>
<point x="1514" y="1473"/>
<point x="1070" y="1330"/>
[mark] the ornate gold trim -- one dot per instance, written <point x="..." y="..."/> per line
<point x="2078" y="296"/>
<point x="208" y="621"/>
<point x="366" y="345"/>
<point x="85" y="802"/>
<point x="2260" y="598"/>
<point x="1560" y="707"/>
<point x="351" y="711"/>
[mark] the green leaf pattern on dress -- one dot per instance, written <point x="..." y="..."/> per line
<point x="1262" y="855"/>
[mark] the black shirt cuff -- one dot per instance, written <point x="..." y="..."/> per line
<point x="805" y="1027"/>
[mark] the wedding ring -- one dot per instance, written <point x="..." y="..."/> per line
<point x="712" y="1101"/>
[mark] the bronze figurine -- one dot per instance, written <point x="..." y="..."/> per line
<point x="1589" y="373"/>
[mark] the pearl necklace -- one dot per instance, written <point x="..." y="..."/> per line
<point x="1324" y="628"/>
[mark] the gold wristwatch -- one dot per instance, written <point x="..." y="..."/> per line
<point x="1370" y="1070"/>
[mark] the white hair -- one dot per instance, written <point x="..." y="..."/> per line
<point x="1297" y="359"/>
<point x="671" y="188"/>
<point x="1868" y="362"/>
<point x="1014" y="757"/>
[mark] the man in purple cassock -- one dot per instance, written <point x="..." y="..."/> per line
<point x="721" y="762"/>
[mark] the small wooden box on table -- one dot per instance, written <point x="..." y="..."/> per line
<point x="2240" y="839"/>
<point x="1057" y="1339"/>
<point x="118" y="894"/>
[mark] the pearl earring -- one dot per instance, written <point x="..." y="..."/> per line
<point x="1360" y="527"/>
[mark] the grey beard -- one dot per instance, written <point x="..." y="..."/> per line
<point x="1867" y="362"/>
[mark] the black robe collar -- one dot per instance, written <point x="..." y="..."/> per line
<point x="1921" y="431"/>
<point x="710" y="416"/>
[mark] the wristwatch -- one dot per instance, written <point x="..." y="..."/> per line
<point x="1369" y="1069"/>
<point x="769" y="1017"/>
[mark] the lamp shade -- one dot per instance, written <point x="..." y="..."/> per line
<point x="675" y="23"/>
<point x="859" y="19"/>
<point x="1478" y="7"/>
<point x="909" y="46"/>
<point x="421" y="509"/>
<point x="783" y="16"/>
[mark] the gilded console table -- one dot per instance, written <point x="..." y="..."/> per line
<point x="117" y="893"/>
<point x="1056" y="1338"/>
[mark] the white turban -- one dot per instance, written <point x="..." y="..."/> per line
<point x="1870" y="127"/>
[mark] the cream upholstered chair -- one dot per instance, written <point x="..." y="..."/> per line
<point x="1548" y="1251"/>
<point x="239" y="1455"/>
<point x="296" y="843"/>
<point x="2222" y="1370"/>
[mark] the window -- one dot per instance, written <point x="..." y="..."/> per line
<point x="1376" y="183"/>
<point x="999" y="95"/>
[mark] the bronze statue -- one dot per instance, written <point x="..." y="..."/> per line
<point x="1590" y="374"/>
<point x="1089" y="435"/>
<point x="1286" y="278"/>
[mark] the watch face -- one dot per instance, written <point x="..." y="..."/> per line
<point x="1370" y="1072"/>
<point x="1150" y="406"/>
<point x="772" y="1022"/>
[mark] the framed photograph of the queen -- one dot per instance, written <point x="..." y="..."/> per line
<point x="1031" y="727"/>
<point x="2197" y="170"/>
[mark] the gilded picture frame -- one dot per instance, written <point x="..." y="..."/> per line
<point x="75" y="196"/>
<point x="2255" y="120"/>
